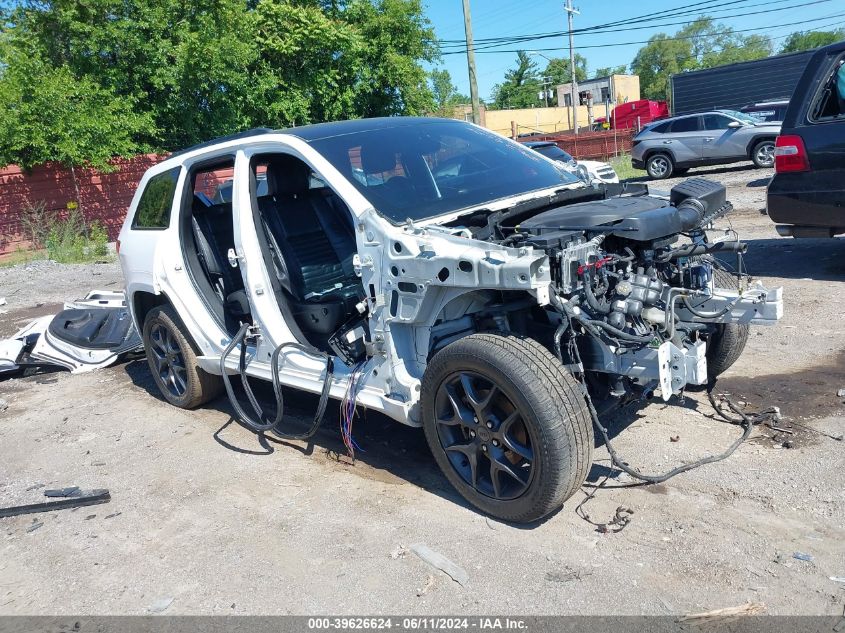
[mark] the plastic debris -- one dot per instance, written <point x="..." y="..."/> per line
<point x="161" y="604"/>
<point x="3" y="405"/>
<point x="437" y="560"/>
<point x="838" y="578"/>
<point x="841" y="393"/>
<point x="750" y="608"/>
<point x="802" y="556"/>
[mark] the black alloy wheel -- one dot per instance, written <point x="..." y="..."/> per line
<point x="484" y="436"/>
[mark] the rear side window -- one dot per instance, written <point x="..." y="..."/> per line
<point x="830" y="103"/>
<point x="690" y="124"/>
<point x="662" y="128"/>
<point x="153" y="210"/>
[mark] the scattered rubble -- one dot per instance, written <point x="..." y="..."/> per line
<point x="437" y="560"/>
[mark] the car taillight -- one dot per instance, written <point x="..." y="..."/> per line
<point x="635" y="142"/>
<point x="790" y="154"/>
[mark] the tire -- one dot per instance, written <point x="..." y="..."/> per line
<point x="536" y="411"/>
<point x="763" y="153"/>
<point x="173" y="361"/>
<point x="728" y="341"/>
<point x="659" y="166"/>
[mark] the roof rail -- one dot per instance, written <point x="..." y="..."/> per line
<point x="258" y="131"/>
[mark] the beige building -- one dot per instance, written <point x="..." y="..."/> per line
<point x="614" y="89"/>
<point x="606" y="93"/>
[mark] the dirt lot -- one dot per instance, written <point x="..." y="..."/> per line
<point x="206" y="518"/>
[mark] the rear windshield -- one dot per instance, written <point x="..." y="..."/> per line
<point x="423" y="169"/>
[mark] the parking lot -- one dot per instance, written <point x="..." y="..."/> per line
<point x="208" y="518"/>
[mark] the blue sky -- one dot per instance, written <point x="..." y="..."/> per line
<point x="498" y="18"/>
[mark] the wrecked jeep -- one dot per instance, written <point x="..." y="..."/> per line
<point x="440" y="274"/>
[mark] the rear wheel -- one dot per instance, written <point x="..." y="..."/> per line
<point x="763" y="154"/>
<point x="507" y="424"/>
<point x="659" y="166"/>
<point x="728" y="341"/>
<point x="173" y="361"/>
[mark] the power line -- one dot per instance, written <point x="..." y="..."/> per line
<point x="527" y="38"/>
<point x="634" y="20"/>
<point x="667" y="38"/>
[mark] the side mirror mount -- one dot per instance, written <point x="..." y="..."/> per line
<point x="734" y="125"/>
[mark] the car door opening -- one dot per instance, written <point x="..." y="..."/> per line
<point x="209" y="238"/>
<point x="309" y="240"/>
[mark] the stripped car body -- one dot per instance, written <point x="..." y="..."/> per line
<point x="440" y="274"/>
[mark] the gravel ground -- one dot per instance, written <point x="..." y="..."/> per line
<point x="40" y="287"/>
<point x="206" y="518"/>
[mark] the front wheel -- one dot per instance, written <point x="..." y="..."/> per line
<point x="727" y="343"/>
<point x="763" y="154"/>
<point x="507" y="424"/>
<point x="659" y="166"/>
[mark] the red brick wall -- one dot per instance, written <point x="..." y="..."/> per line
<point x="102" y="197"/>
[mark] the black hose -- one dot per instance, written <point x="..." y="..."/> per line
<point x="592" y="300"/>
<point x="616" y="332"/>
<point x="272" y="425"/>
<point x="324" y="394"/>
<point x="742" y="419"/>
<point x="705" y="315"/>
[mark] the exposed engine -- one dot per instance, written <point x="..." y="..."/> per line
<point x="646" y="302"/>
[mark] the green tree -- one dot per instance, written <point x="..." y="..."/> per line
<point x="521" y="86"/>
<point x="445" y="93"/>
<point x="195" y="69"/>
<point x="807" y="40"/>
<point x="606" y="71"/>
<point x="657" y="61"/>
<point x="559" y="70"/>
<point x="700" y="44"/>
<point x="49" y="114"/>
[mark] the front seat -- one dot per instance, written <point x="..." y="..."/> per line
<point x="312" y="243"/>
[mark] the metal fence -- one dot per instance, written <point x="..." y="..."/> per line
<point x="601" y="145"/>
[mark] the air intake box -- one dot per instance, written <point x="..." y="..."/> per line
<point x="712" y="194"/>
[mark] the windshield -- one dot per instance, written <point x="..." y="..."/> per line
<point x="429" y="168"/>
<point x="741" y="116"/>
<point x="553" y="152"/>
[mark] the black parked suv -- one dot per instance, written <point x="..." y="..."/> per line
<point x="806" y="196"/>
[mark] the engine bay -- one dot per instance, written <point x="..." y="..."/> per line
<point x="637" y="291"/>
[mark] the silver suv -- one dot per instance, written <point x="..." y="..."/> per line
<point x="720" y="137"/>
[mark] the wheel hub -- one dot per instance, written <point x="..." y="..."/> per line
<point x="484" y="436"/>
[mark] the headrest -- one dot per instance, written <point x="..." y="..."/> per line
<point x="377" y="158"/>
<point x="286" y="175"/>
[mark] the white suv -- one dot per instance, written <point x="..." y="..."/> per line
<point x="438" y="273"/>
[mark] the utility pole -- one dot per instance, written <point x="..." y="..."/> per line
<point x="473" y="83"/>
<point x="573" y="84"/>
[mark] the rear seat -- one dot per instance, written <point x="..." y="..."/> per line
<point x="214" y="234"/>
